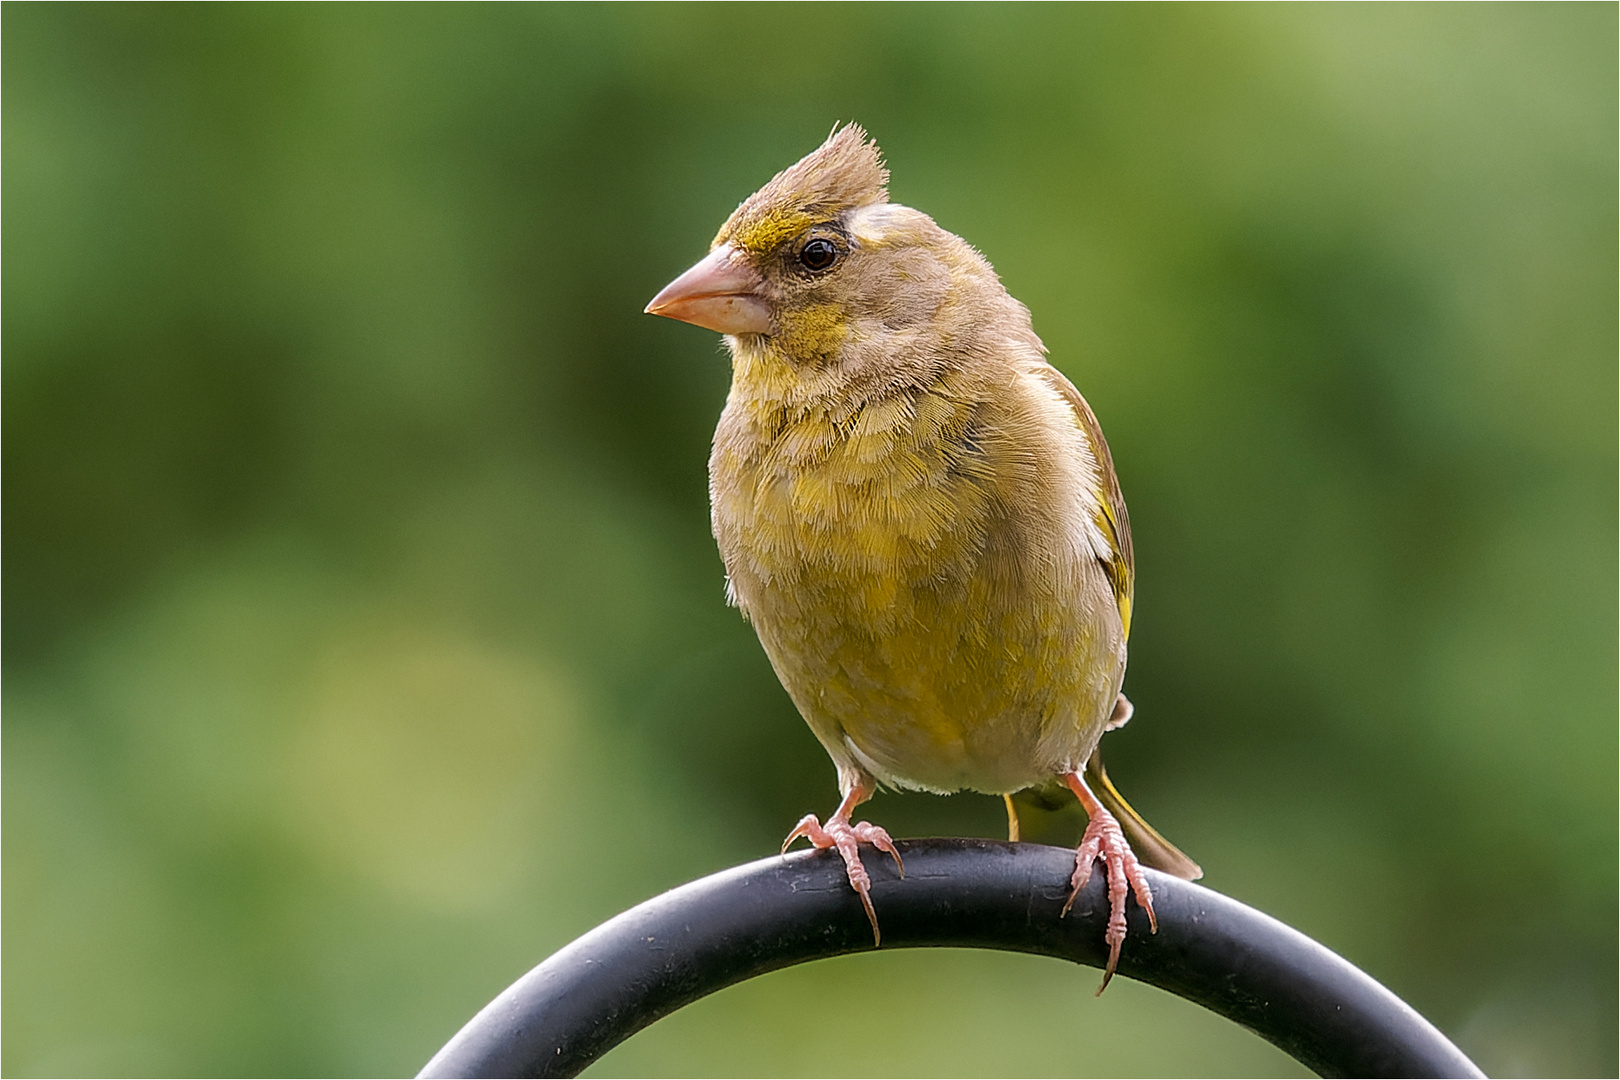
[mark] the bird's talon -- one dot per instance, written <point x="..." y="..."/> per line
<point x="809" y="827"/>
<point x="879" y="838"/>
<point x="838" y="833"/>
<point x="871" y="916"/>
<point x="1104" y="841"/>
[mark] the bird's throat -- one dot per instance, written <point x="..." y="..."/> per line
<point x="865" y="488"/>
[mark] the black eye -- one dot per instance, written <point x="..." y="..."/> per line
<point x="818" y="254"/>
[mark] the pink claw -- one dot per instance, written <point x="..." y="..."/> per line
<point x="1104" y="840"/>
<point x="839" y="833"/>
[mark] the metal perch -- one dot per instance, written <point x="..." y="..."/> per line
<point x="984" y="894"/>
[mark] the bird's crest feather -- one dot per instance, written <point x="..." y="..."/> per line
<point x="844" y="173"/>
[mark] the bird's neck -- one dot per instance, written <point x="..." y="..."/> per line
<point x="805" y="454"/>
<point x="777" y="396"/>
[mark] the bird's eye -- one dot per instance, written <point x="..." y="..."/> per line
<point x="818" y="254"/>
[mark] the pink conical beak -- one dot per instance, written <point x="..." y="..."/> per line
<point x="719" y="293"/>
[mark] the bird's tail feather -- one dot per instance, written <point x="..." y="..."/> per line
<point x="1150" y="847"/>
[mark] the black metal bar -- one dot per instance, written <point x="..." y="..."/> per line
<point x="770" y="914"/>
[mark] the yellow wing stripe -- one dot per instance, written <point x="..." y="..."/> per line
<point x="1112" y="518"/>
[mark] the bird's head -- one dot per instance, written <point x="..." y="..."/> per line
<point x="819" y="259"/>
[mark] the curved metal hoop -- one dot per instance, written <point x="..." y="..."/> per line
<point x="770" y="914"/>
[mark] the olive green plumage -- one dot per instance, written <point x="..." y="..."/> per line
<point x="917" y="513"/>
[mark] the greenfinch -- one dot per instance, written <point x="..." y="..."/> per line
<point x="917" y="513"/>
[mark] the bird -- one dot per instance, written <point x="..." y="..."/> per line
<point x="918" y="514"/>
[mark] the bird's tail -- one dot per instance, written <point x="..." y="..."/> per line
<point x="1150" y="847"/>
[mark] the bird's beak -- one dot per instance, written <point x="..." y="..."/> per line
<point x="720" y="293"/>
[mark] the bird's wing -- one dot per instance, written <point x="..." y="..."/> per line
<point x="1149" y="845"/>
<point x="1112" y="519"/>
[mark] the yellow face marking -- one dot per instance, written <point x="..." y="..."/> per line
<point x="770" y="232"/>
<point x="812" y="332"/>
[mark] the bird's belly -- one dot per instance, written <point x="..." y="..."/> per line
<point x="957" y="692"/>
<point x="928" y="600"/>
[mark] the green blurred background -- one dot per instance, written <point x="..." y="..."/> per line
<point x="365" y="641"/>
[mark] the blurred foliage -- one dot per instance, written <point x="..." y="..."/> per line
<point x="364" y="640"/>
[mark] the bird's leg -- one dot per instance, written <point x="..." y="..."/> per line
<point x="839" y="833"/>
<point x="1012" y="819"/>
<point x="1104" y="840"/>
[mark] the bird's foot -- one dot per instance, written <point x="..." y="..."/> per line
<point x="839" y="833"/>
<point x="1104" y="840"/>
